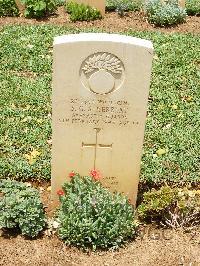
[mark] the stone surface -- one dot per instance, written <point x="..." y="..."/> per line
<point x="100" y="95"/>
<point x="181" y="3"/>
<point x="20" y="6"/>
<point x="98" y="4"/>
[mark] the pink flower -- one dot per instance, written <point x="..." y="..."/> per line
<point x="60" y="192"/>
<point x="95" y="174"/>
<point x="72" y="174"/>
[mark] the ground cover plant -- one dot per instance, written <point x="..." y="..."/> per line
<point x="82" y="12"/>
<point x="124" y="5"/>
<point x="39" y="8"/>
<point x="171" y="207"/>
<point x="171" y="147"/>
<point x="192" y="7"/>
<point x="60" y="2"/>
<point x="164" y="13"/>
<point x="90" y="216"/>
<point x="20" y="207"/>
<point x="8" y="8"/>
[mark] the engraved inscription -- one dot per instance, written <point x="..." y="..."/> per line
<point x="96" y="145"/>
<point x="102" y="73"/>
<point x="98" y="112"/>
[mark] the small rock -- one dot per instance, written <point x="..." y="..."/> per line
<point x="28" y="184"/>
<point x="55" y="224"/>
<point x="49" y="141"/>
<point x="41" y="189"/>
<point x="49" y="188"/>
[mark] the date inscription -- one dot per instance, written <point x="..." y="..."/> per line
<point x="98" y="112"/>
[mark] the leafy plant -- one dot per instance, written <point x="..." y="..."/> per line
<point x="91" y="216"/>
<point x="60" y="2"/>
<point x="81" y="12"/>
<point x="8" y="8"/>
<point x="38" y="8"/>
<point x="164" y="13"/>
<point x="174" y="207"/>
<point x="20" y="207"/>
<point x="123" y="5"/>
<point x="192" y="7"/>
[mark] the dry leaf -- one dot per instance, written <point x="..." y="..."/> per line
<point x="35" y="153"/>
<point x="174" y="107"/>
<point x="180" y="115"/>
<point x="156" y="57"/>
<point x="161" y="152"/>
<point x="189" y="99"/>
<point x="30" y="46"/>
<point x="32" y="157"/>
<point x="24" y="120"/>
<point x="168" y="126"/>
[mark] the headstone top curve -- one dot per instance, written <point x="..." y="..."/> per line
<point x="102" y="37"/>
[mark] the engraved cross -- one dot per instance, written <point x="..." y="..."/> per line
<point x="96" y="145"/>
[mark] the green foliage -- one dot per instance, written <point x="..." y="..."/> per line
<point x="164" y="14"/>
<point x="81" y="12"/>
<point x="192" y="7"/>
<point x="91" y="216"/>
<point x="20" y="207"/>
<point x="60" y="2"/>
<point x="39" y="8"/>
<point x="174" y="207"/>
<point x="124" y="5"/>
<point x="8" y="8"/>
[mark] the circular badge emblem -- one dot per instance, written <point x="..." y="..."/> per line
<point x="102" y="73"/>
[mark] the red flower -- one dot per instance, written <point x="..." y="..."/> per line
<point x="60" y="192"/>
<point x="72" y="174"/>
<point x="95" y="174"/>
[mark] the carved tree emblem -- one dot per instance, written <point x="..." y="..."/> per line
<point x="102" y="70"/>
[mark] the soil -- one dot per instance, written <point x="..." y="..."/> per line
<point x="153" y="246"/>
<point x="135" y="21"/>
<point x="180" y="249"/>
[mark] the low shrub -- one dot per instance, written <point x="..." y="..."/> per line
<point x="20" y="207"/>
<point x="174" y="207"/>
<point x="162" y="13"/>
<point x="39" y="8"/>
<point x="81" y="12"/>
<point x="123" y="5"/>
<point x="91" y="216"/>
<point x="8" y="8"/>
<point x="60" y="2"/>
<point x="192" y="7"/>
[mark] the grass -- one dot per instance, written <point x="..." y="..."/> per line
<point x="172" y="127"/>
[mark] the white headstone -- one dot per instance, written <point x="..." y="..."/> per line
<point x="100" y="94"/>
